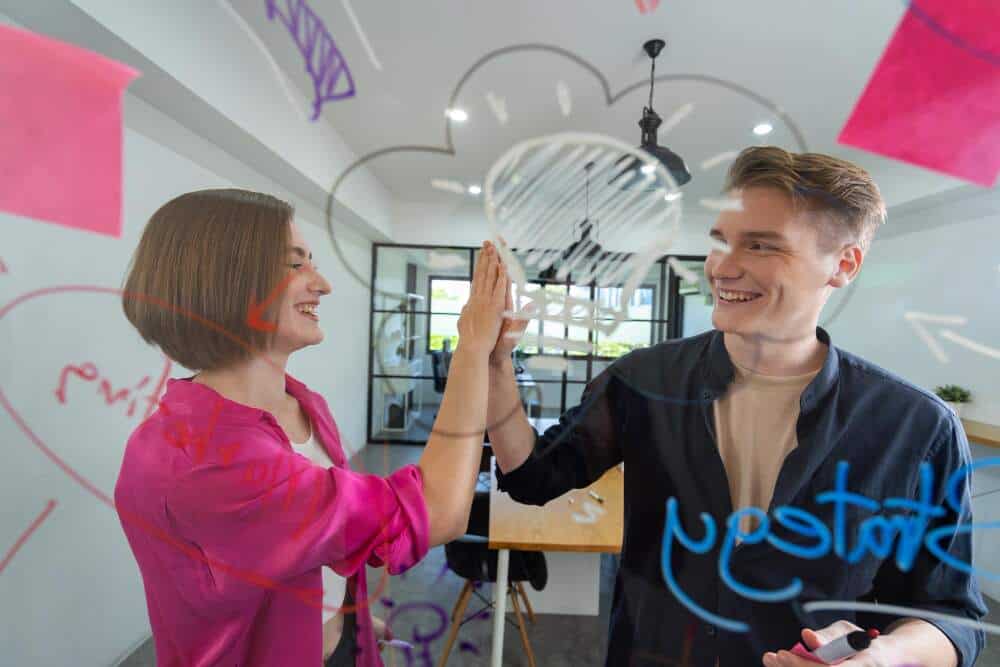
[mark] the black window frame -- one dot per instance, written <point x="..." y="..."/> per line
<point x="665" y="324"/>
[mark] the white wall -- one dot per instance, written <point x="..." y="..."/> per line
<point x="946" y="270"/>
<point x="73" y="593"/>
<point x="223" y="66"/>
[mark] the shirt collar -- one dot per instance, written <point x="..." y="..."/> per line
<point x="719" y="370"/>
<point x="194" y="399"/>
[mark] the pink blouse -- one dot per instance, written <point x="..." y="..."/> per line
<point x="230" y="527"/>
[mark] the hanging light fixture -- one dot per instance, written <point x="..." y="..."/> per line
<point x="595" y="253"/>
<point x="649" y="123"/>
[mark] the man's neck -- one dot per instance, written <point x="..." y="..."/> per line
<point x="258" y="383"/>
<point x="770" y="356"/>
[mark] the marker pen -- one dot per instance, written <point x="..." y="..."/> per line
<point x="395" y="643"/>
<point x="839" y="649"/>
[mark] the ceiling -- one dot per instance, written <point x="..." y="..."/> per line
<point x="733" y="61"/>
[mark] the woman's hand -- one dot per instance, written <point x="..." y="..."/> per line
<point x="479" y="324"/>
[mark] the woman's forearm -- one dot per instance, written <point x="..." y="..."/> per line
<point x="450" y="461"/>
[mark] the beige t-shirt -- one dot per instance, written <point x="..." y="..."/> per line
<point x="334" y="585"/>
<point x="755" y="425"/>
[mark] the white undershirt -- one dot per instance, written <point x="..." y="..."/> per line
<point x="334" y="586"/>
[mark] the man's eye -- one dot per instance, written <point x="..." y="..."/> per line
<point x="295" y="266"/>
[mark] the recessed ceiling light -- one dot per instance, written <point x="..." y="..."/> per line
<point x="672" y="196"/>
<point x="457" y="115"/>
<point x="762" y="128"/>
<point x="647" y="169"/>
<point x="474" y="189"/>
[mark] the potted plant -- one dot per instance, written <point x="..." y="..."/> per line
<point x="954" y="396"/>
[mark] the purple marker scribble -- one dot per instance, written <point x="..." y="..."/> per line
<point x="420" y="639"/>
<point x="324" y="63"/>
<point x="387" y="602"/>
<point x="468" y="646"/>
<point x="444" y="571"/>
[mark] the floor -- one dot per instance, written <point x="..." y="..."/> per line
<point x="418" y="606"/>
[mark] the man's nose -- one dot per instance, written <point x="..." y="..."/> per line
<point x="725" y="265"/>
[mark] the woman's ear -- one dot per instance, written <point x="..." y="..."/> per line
<point x="848" y="265"/>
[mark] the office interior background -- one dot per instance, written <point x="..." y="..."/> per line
<point x="225" y="98"/>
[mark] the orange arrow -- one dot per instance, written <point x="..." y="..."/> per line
<point x="255" y="311"/>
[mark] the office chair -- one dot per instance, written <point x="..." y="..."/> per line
<point x="437" y="367"/>
<point x="471" y="558"/>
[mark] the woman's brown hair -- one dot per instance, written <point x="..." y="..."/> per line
<point x="842" y="189"/>
<point x="203" y="257"/>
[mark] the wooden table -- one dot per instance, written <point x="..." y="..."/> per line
<point x="597" y="527"/>
<point x="982" y="433"/>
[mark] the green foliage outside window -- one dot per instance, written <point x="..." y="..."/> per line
<point x="437" y="341"/>
<point x="614" y="348"/>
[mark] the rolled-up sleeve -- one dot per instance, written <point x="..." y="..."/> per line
<point x="279" y="517"/>
<point x="573" y="453"/>
<point x="931" y="584"/>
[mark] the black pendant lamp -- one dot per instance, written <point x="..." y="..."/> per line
<point x="649" y="124"/>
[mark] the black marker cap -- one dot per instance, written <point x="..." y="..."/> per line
<point x="859" y="640"/>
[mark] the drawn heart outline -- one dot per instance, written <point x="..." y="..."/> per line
<point x="307" y="596"/>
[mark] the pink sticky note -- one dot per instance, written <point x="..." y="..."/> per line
<point x="61" y="132"/>
<point x="934" y="98"/>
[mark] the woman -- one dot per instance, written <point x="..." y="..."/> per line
<point x="227" y="513"/>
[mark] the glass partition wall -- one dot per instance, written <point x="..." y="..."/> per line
<point x="419" y="293"/>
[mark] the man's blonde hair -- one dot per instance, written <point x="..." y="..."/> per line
<point x="820" y="183"/>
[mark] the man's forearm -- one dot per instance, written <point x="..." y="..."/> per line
<point x="511" y="436"/>
<point x="919" y="640"/>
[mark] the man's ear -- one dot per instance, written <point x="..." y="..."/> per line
<point x="849" y="261"/>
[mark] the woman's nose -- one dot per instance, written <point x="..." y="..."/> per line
<point x="320" y="284"/>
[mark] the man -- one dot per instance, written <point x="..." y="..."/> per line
<point x="765" y="412"/>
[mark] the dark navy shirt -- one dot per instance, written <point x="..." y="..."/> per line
<point x="653" y="410"/>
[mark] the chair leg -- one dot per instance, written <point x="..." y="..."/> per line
<point x="466" y="592"/>
<point x="527" y="605"/>
<point x="456" y="621"/>
<point x="521" y="628"/>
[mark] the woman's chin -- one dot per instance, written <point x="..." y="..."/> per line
<point x="313" y="339"/>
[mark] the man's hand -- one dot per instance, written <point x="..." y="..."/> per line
<point x="883" y="652"/>
<point x="510" y="332"/>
